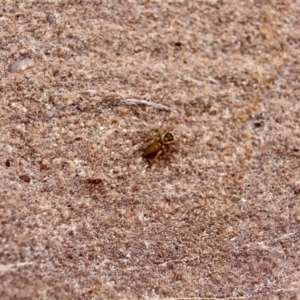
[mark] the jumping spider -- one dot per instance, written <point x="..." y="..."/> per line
<point x="158" y="145"/>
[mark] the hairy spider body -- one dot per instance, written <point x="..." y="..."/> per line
<point x="157" y="146"/>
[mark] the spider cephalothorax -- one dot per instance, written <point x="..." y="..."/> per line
<point x="158" y="145"/>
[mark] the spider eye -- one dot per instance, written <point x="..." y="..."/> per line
<point x="168" y="137"/>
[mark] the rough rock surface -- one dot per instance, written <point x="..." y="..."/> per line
<point x="81" y="216"/>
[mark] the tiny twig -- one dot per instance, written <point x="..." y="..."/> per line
<point x="9" y="267"/>
<point x="146" y="103"/>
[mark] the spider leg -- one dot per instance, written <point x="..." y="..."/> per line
<point x="155" y="157"/>
<point x="164" y="150"/>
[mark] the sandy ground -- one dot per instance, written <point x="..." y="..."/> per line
<point x="82" y="217"/>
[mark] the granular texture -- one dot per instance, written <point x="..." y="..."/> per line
<point x="82" y="217"/>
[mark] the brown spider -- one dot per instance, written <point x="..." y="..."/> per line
<point x="157" y="146"/>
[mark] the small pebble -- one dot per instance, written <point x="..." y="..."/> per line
<point x="21" y="65"/>
<point x="25" y="178"/>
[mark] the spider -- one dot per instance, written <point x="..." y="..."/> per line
<point x="157" y="146"/>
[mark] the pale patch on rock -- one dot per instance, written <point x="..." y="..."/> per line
<point x="21" y="65"/>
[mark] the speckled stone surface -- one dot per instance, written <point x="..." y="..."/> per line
<point x="81" y="217"/>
